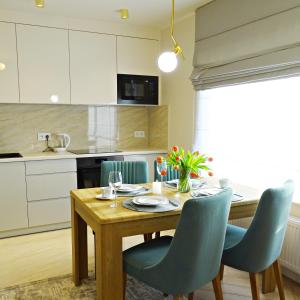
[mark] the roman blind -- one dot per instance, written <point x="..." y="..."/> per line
<point x="244" y="41"/>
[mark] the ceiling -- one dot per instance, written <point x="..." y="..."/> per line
<point x="154" y="13"/>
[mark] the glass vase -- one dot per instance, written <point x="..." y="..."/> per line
<point x="184" y="182"/>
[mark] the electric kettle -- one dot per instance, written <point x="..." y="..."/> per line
<point x="60" y="141"/>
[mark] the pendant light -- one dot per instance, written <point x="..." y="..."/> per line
<point x="40" y="3"/>
<point x="167" y="61"/>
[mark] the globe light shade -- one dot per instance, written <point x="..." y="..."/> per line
<point x="54" y="98"/>
<point x="2" y="66"/>
<point x="167" y="62"/>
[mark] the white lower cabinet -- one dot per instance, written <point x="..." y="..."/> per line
<point x="47" y="212"/>
<point x="48" y="191"/>
<point x="50" y="186"/>
<point x="13" y="202"/>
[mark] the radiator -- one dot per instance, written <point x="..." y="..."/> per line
<point x="290" y="255"/>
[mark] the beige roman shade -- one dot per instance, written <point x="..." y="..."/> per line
<point x="242" y="41"/>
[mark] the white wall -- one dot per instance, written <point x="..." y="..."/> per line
<point x="177" y="89"/>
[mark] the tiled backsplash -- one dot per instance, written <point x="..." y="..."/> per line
<point x="100" y="126"/>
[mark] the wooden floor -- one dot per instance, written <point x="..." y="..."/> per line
<point x="44" y="255"/>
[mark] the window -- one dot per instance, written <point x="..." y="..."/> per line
<point x="253" y="131"/>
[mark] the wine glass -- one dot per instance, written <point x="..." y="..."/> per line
<point x="115" y="182"/>
<point x="162" y="169"/>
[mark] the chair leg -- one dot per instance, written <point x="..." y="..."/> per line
<point x="178" y="297"/>
<point x="217" y="288"/>
<point x="124" y="285"/>
<point x="254" y="286"/>
<point x="221" y="271"/>
<point x="95" y="253"/>
<point x="191" y="296"/>
<point x="268" y="280"/>
<point x="147" y="237"/>
<point x="278" y="278"/>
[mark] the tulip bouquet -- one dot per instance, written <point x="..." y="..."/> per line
<point x="188" y="164"/>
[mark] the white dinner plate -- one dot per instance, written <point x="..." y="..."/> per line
<point x="101" y="197"/>
<point x="150" y="200"/>
<point x="129" y="188"/>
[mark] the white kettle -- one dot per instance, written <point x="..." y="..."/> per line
<point x="61" y="142"/>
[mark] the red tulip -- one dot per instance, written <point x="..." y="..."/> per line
<point x="175" y="148"/>
<point x="163" y="172"/>
<point x="177" y="158"/>
<point x="210" y="159"/>
<point x="210" y="173"/>
<point x="194" y="175"/>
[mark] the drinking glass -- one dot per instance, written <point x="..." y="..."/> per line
<point x="115" y="182"/>
<point x="161" y="167"/>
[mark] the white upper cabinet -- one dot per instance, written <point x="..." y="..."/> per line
<point x="9" y="90"/>
<point x="137" y="56"/>
<point x="43" y="55"/>
<point x="93" y="68"/>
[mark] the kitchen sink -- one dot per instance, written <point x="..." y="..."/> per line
<point x="10" y="155"/>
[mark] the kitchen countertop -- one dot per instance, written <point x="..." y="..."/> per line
<point x="52" y="155"/>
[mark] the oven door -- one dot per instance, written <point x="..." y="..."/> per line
<point x="137" y="89"/>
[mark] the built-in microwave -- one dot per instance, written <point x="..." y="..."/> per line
<point x="137" y="89"/>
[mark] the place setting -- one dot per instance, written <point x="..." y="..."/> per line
<point x="151" y="203"/>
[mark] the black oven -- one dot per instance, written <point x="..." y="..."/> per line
<point x="89" y="170"/>
<point x="137" y="89"/>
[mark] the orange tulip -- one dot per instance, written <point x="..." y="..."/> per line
<point x="210" y="159"/>
<point x="159" y="159"/>
<point x="175" y="148"/>
<point x="163" y="172"/>
<point x="194" y="175"/>
<point x="210" y="173"/>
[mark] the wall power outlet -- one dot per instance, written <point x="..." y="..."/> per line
<point x="139" y="134"/>
<point x="41" y="136"/>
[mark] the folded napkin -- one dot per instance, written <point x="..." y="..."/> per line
<point x="196" y="184"/>
<point x="213" y="191"/>
<point x="139" y="192"/>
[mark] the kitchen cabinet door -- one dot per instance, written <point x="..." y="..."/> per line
<point x="43" y="55"/>
<point x="9" y="89"/>
<point x="93" y="68"/>
<point x="137" y="56"/>
<point x="13" y="202"/>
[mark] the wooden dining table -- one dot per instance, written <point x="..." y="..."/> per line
<point x="111" y="225"/>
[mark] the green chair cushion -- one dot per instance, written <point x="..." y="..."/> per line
<point x="146" y="254"/>
<point x="234" y="235"/>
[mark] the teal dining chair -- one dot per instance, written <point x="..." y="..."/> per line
<point x="180" y="265"/>
<point x="256" y="249"/>
<point x="133" y="172"/>
<point x="171" y="173"/>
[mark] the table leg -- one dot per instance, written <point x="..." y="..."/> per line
<point x="79" y="246"/>
<point x="109" y="263"/>
<point x="268" y="281"/>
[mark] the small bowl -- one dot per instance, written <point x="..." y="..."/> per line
<point x="59" y="150"/>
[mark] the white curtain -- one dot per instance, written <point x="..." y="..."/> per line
<point x="259" y="41"/>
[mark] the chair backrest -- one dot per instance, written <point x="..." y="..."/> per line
<point x="263" y="240"/>
<point x="132" y="171"/>
<point x="171" y="173"/>
<point x="194" y="256"/>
